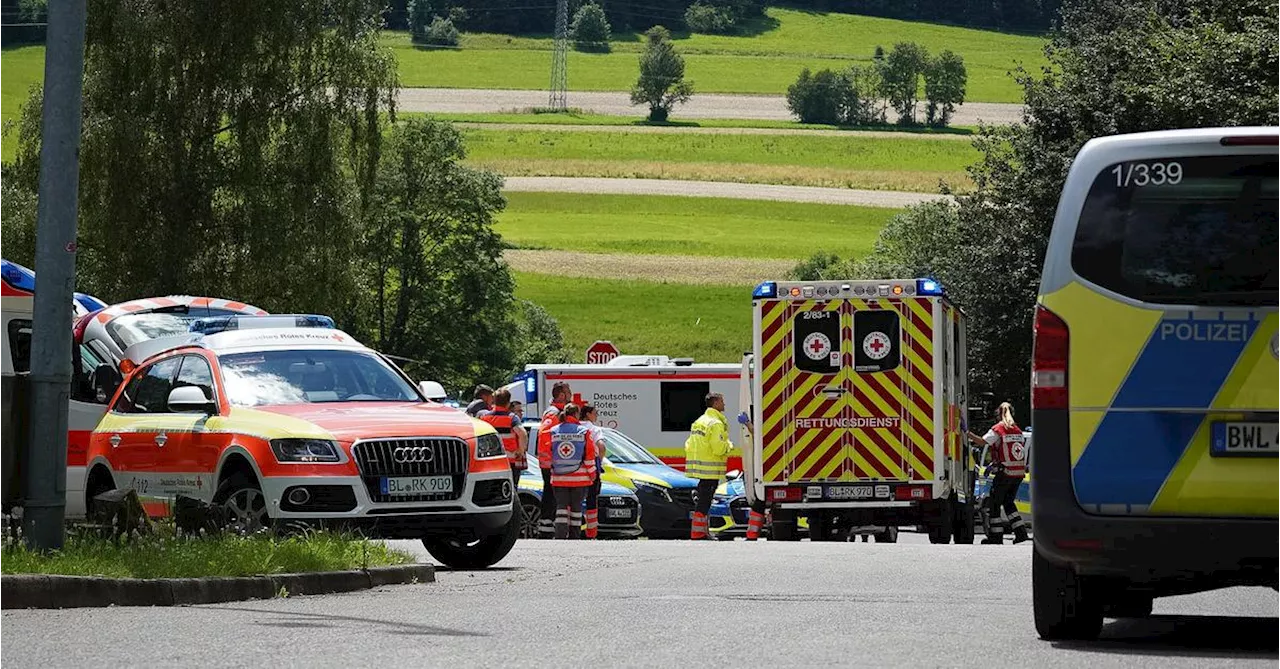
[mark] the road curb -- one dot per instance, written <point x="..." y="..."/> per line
<point x="48" y="591"/>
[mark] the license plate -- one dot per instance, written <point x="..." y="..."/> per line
<point x="416" y="485"/>
<point x="850" y="492"/>
<point x="1241" y="438"/>
<point x="617" y="513"/>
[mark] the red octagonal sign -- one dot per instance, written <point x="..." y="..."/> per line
<point x="601" y="352"/>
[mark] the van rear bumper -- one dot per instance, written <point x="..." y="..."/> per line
<point x="1165" y="556"/>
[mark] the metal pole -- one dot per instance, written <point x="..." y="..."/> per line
<point x="45" y="464"/>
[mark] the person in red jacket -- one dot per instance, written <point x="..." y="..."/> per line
<point x="560" y="394"/>
<point x="573" y="471"/>
<point x="515" y="440"/>
<point x="1008" y="448"/>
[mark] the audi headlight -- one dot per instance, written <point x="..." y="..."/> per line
<point x="305" y="450"/>
<point x="653" y="489"/>
<point x="489" y="446"/>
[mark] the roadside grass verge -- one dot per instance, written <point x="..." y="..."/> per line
<point x="23" y="67"/>
<point x="689" y="226"/>
<point x="705" y="322"/>
<point x="853" y="161"/>
<point x="579" y="118"/>
<point x="766" y="60"/>
<point x="164" y="555"/>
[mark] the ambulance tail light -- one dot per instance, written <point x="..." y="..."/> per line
<point x="1049" y="361"/>
<point x="913" y="493"/>
<point x="790" y="494"/>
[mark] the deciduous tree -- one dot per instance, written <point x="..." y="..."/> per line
<point x="661" y="84"/>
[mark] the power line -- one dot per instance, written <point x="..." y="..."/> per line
<point x="560" y="59"/>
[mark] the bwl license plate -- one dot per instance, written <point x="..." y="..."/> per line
<point x="850" y="492"/>
<point x="416" y="485"/>
<point x="1230" y="439"/>
<point x="617" y="513"/>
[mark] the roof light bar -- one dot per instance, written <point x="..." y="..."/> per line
<point x="928" y="287"/>
<point x="18" y="276"/>
<point x="218" y="324"/>
<point x="766" y="290"/>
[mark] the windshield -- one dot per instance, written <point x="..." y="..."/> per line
<point x="131" y="329"/>
<point x="1194" y="230"/>
<point x="622" y="450"/>
<point x="301" y="377"/>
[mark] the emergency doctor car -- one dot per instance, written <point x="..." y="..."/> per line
<point x="1154" y="377"/>
<point x="285" y="420"/>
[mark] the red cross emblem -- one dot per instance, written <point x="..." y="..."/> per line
<point x="566" y="449"/>
<point x="876" y="345"/>
<point x="817" y="346"/>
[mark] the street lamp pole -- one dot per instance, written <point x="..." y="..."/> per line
<point x="45" y="463"/>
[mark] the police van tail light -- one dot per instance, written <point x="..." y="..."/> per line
<point x="1049" y="361"/>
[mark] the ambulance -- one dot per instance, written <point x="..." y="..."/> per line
<point x="654" y="399"/>
<point x="855" y="397"/>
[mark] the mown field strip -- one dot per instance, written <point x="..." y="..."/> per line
<point x="740" y="191"/>
<point x="509" y="126"/>
<point x="693" y="270"/>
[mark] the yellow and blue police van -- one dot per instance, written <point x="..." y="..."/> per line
<point x="1154" y="377"/>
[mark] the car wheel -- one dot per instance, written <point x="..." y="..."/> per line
<point x="821" y="526"/>
<point x="532" y="514"/>
<point x="962" y="528"/>
<point x="244" y="505"/>
<point x="476" y="554"/>
<point x="939" y="522"/>
<point x="1064" y="607"/>
<point x="1128" y="606"/>
<point x="100" y="481"/>
<point x="888" y="536"/>
<point x="783" y="527"/>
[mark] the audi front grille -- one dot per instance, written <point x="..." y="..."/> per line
<point x="377" y="458"/>
<point x="686" y="497"/>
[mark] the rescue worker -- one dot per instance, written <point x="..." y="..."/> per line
<point x="573" y="471"/>
<point x="705" y="453"/>
<point x="1007" y="445"/>
<point x="560" y="394"/>
<point x="517" y="410"/>
<point x="515" y="439"/>
<point x="589" y="417"/>
<point x="482" y="399"/>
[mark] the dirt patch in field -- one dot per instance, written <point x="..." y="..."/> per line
<point x="675" y="269"/>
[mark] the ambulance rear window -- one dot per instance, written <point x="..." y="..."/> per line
<point x="1196" y="231"/>
<point x="20" y="345"/>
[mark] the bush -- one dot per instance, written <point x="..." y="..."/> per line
<point x="710" y="19"/>
<point x="442" y="32"/>
<point x="863" y="105"/>
<point x="590" y="30"/>
<point x="901" y="78"/>
<point x="419" y="20"/>
<point x="944" y="84"/>
<point x="818" y="98"/>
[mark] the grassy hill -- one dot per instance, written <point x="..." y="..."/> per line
<point x="765" y="62"/>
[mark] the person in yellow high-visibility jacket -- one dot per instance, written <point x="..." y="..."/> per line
<point x="705" y="453"/>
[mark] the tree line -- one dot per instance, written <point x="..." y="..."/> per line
<point x="251" y="151"/>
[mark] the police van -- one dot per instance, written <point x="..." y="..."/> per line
<point x="857" y="408"/>
<point x="1154" y="377"/>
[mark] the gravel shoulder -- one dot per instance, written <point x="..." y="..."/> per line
<point x="595" y="185"/>
<point x="667" y="129"/>
<point x="759" y="107"/>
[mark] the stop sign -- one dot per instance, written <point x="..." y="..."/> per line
<point x="601" y="352"/>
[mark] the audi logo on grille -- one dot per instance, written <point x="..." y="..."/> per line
<point x="414" y="454"/>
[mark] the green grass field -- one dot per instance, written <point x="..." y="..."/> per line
<point x="766" y="62"/>
<point x="22" y="67"/>
<point x="843" y="161"/>
<point x="697" y="226"/>
<point x="706" y="323"/>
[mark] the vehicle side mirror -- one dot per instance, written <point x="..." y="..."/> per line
<point x="104" y="381"/>
<point x="733" y="474"/>
<point x="432" y="390"/>
<point x="190" y="399"/>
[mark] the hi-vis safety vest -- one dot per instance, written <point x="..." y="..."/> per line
<point x="1011" y="450"/>
<point x="707" y="448"/>
<point x="573" y="455"/>
<point x="503" y="421"/>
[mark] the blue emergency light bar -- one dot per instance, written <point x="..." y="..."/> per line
<point x="216" y="324"/>
<point x="530" y="378"/>
<point x="928" y="287"/>
<point x="766" y="290"/>
<point x="18" y="276"/>
<point x="90" y="303"/>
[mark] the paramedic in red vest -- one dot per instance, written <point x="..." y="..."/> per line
<point x="560" y="394"/>
<point x="515" y="440"/>
<point x="573" y="471"/>
<point x="705" y="453"/>
<point x="1008" y="448"/>
<point x="589" y="417"/>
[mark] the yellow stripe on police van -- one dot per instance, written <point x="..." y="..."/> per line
<point x="1202" y="485"/>
<point x="1254" y="383"/>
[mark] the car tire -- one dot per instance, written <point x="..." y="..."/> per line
<point x="888" y="536"/>
<point x="532" y="508"/>
<point x="478" y="554"/>
<point x="100" y="481"/>
<point x="1129" y="606"/>
<point x="962" y="528"/>
<point x="241" y="499"/>
<point x="783" y="527"/>
<point x="820" y="523"/>
<point x="1064" y="607"/>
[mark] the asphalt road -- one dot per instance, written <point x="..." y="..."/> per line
<point x="701" y="105"/>
<point x="742" y="191"/>
<point x="652" y="604"/>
